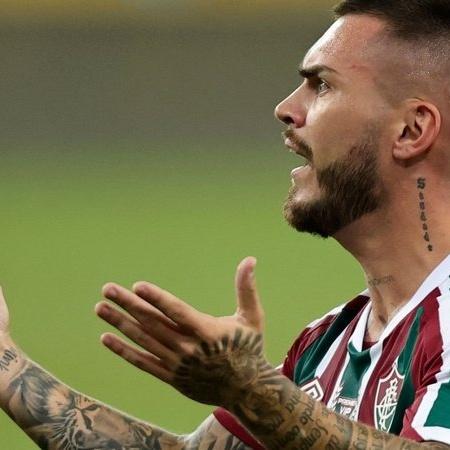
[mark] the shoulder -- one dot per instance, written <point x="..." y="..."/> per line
<point x="318" y="327"/>
<point x="434" y="332"/>
<point x="332" y="322"/>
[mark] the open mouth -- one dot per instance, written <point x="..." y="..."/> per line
<point x="303" y="160"/>
<point x="304" y="154"/>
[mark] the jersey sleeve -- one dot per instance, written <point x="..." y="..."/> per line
<point x="230" y="423"/>
<point x="428" y="418"/>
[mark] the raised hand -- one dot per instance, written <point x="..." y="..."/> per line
<point x="212" y="360"/>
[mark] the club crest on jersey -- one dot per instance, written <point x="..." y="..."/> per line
<point x="386" y="399"/>
<point x="313" y="389"/>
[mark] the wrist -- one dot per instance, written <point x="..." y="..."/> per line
<point x="254" y="389"/>
<point x="12" y="360"/>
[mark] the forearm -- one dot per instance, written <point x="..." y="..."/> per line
<point x="283" y="417"/>
<point x="57" y="417"/>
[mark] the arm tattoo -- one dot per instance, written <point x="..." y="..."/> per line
<point x="58" y="418"/>
<point x="376" y="282"/>
<point x="9" y="356"/>
<point x="233" y="373"/>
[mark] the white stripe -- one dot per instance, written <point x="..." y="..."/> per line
<point x="337" y="387"/>
<point x="329" y="355"/>
<point x="375" y="354"/>
<point x="357" y="337"/>
<point x="438" y="434"/>
<point x="443" y="376"/>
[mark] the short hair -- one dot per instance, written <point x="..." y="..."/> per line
<point x="420" y="29"/>
<point x="406" y="19"/>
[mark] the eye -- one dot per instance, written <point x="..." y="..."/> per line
<point x="92" y="407"/>
<point x="322" y="86"/>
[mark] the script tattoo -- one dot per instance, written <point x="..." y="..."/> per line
<point x="9" y="356"/>
<point x="421" y="185"/>
<point x="374" y="282"/>
<point x="233" y="373"/>
<point x="312" y="426"/>
<point x="58" y="418"/>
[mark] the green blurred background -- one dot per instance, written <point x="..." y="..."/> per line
<point x="138" y="142"/>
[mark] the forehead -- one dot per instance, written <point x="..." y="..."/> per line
<point x="346" y="44"/>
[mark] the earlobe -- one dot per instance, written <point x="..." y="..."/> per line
<point x="420" y="127"/>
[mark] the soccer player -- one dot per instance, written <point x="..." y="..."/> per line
<point x="372" y="119"/>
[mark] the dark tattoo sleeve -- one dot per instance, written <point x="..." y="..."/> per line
<point x="58" y="418"/>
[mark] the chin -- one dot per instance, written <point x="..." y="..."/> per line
<point x="311" y="217"/>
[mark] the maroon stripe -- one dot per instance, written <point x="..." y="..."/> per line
<point x="427" y="359"/>
<point x="234" y="427"/>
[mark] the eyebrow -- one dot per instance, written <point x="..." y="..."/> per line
<point x="314" y="71"/>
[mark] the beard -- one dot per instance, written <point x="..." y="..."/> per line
<point x="350" y="188"/>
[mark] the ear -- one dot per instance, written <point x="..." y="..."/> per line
<point x="418" y="130"/>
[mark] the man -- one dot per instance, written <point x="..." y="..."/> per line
<point x="372" y="118"/>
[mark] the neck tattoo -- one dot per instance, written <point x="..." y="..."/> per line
<point x="421" y="185"/>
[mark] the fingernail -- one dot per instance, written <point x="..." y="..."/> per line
<point x="112" y="291"/>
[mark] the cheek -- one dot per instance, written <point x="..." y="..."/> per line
<point x="332" y="131"/>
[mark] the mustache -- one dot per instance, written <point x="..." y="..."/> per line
<point x="301" y="145"/>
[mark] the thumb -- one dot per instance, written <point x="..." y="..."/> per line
<point x="248" y="304"/>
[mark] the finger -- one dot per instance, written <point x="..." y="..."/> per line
<point x="141" y="310"/>
<point x="180" y="312"/>
<point x="249" y="305"/>
<point x="138" y="358"/>
<point x="134" y="331"/>
<point x="157" y="325"/>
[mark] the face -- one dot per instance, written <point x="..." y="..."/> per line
<point x="335" y="120"/>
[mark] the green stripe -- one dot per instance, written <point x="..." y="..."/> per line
<point x="357" y="366"/>
<point x="306" y="365"/>
<point x="404" y="367"/>
<point x="439" y="415"/>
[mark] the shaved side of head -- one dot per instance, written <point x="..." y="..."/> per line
<point x="413" y="51"/>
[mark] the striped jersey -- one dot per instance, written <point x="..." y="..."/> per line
<point x="399" y="385"/>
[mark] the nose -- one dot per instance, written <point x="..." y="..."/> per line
<point x="291" y="110"/>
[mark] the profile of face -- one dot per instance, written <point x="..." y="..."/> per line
<point x="335" y="120"/>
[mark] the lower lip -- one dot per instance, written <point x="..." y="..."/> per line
<point x="299" y="170"/>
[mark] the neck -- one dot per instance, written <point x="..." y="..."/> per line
<point x="395" y="253"/>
